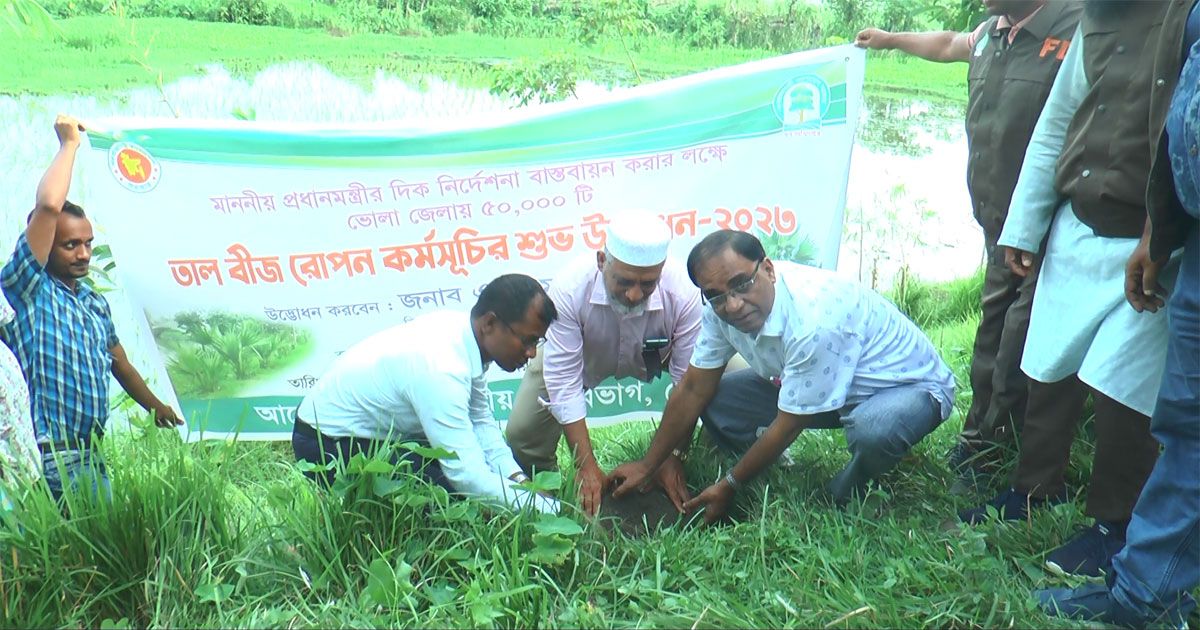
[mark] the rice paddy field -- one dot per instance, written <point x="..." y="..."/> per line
<point x="230" y="534"/>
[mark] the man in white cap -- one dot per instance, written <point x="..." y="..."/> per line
<point x="627" y="311"/>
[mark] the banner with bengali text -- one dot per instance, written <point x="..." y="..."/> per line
<point x="259" y="252"/>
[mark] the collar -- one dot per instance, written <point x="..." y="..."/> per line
<point x="1037" y="24"/>
<point x="599" y="295"/>
<point x="81" y="291"/>
<point x="474" y="352"/>
<point x="773" y="327"/>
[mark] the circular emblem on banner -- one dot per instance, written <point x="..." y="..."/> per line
<point x="133" y="167"/>
<point x="802" y="102"/>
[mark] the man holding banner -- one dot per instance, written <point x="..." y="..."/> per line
<point x="824" y="353"/>
<point x="63" y="333"/>
<point x="426" y="381"/>
<point x="627" y="311"/>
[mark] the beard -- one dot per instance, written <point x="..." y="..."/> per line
<point x="624" y="310"/>
<point x="1108" y="9"/>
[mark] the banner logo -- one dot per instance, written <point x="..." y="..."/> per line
<point x="133" y="167"/>
<point x="802" y="102"/>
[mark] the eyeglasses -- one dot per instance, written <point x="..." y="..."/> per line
<point x="717" y="302"/>
<point x="528" y="343"/>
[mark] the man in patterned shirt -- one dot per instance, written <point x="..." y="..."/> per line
<point x="824" y="353"/>
<point x="63" y="334"/>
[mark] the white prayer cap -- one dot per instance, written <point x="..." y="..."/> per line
<point x="639" y="239"/>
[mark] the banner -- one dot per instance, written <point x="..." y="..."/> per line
<point x="260" y="252"/>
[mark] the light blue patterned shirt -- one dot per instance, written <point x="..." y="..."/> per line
<point x="830" y="343"/>
<point x="62" y="340"/>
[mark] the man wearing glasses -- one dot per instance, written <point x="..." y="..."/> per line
<point x="824" y="352"/>
<point x="627" y="311"/>
<point x="425" y="381"/>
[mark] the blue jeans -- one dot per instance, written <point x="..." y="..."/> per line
<point x="70" y="468"/>
<point x="879" y="432"/>
<point x="1161" y="559"/>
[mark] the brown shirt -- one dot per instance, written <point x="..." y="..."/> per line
<point x="1168" y="217"/>
<point x="1007" y="86"/>
<point x="1105" y="161"/>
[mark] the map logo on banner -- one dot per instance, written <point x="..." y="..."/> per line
<point x="301" y="240"/>
<point x="133" y="167"/>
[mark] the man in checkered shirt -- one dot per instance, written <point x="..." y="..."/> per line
<point x="63" y="333"/>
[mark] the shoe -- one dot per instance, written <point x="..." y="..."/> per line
<point x="1094" y="602"/>
<point x="1089" y="553"/>
<point x="1011" y="505"/>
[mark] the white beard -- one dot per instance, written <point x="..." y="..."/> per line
<point x="624" y="311"/>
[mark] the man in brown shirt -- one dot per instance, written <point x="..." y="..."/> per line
<point x="1014" y="56"/>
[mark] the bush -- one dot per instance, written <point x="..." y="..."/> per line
<point x="445" y="19"/>
<point x="256" y="12"/>
<point x="364" y="16"/>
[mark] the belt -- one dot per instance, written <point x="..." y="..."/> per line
<point x="75" y="444"/>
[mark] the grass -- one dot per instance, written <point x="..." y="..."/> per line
<point x="105" y="54"/>
<point x="223" y="534"/>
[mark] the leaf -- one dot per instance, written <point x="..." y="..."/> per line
<point x="383" y="486"/>
<point x="483" y="613"/>
<point x="429" y="452"/>
<point x="414" y="501"/>
<point x="549" y="524"/>
<point x="120" y="624"/>
<point x="550" y="548"/>
<point x="544" y="482"/>
<point x="387" y="585"/>
<point x="441" y="594"/>
<point x="307" y="466"/>
<point x="214" y="592"/>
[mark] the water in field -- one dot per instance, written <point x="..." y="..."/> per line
<point x="907" y="203"/>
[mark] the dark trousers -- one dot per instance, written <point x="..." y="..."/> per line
<point x="1125" y="449"/>
<point x="311" y="445"/>
<point x="1000" y="388"/>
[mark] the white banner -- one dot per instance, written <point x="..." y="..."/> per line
<point x="259" y="253"/>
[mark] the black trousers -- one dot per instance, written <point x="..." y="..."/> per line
<point x="1125" y="449"/>
<point x="1000" y="389"/>
<point x="311" y="445"/>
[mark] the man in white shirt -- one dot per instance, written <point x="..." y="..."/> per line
<point x="824" y="352"/>
<point x="425" y="381"/>
<point x="625" y="311"/>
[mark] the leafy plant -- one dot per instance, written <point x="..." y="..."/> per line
<point x="543" y="80"/>
<point x="28" y="18"/>
<point x="210" y="353"/>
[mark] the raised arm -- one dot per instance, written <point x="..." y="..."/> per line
<point x="939" y="46"/>
<point x="52" y="191"/>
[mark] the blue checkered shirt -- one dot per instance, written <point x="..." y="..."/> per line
<point x="61" y="339"/>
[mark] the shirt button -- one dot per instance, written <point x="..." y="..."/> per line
<point x="996" y="54"/>
<point x="1102" y="108"/>
<point x="1160" y="82"/>
<point x="1086" y="173"/>
<point x="1121" y="49"/>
